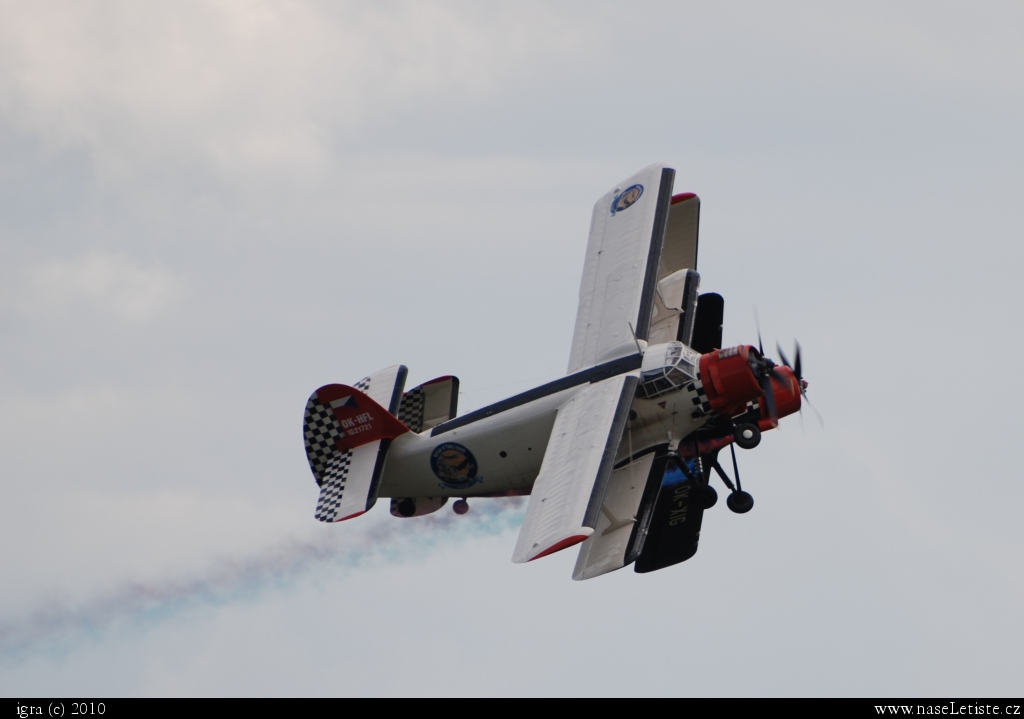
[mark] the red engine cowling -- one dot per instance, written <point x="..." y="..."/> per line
<point x="729" y="380"/>
<point x="786" y="390"/>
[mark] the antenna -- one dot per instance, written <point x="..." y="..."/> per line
<point x="632" y="332"/>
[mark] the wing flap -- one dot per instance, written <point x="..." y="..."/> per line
<point x="567" y="496"/>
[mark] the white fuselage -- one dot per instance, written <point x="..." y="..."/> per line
<point x="506" y="448"/>
<point x="499" y="449"/>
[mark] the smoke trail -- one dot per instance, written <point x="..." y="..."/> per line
<point x="230" y="580"/>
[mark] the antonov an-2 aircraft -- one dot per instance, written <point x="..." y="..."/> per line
<point x="617" y="455"/>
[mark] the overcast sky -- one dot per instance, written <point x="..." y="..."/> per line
<point x="210" y="209"/>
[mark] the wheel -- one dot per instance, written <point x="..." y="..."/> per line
<point x="406" y="507"/>
<point x="706" y="496"/>
<point x="747" y="436"/>
<point x="740" y="502"/>
<point x="461" y="506"/>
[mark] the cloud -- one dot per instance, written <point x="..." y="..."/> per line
<point x="110" y="284"/>
<point x="244" y="85"/>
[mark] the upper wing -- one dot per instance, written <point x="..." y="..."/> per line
<point x="569" y="491"/>
<point x="621" y="270"/>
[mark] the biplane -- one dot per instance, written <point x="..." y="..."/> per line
<point x="618" y="455"/>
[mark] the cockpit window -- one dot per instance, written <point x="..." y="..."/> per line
<point x="679" y="366"/>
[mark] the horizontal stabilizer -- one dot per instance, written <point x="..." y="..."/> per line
<point x="430" y="404"/>
<point x="567" y="496"/>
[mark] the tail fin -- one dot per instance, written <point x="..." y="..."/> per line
<point x="385" y="386"/>
<point x="347" y="434"/>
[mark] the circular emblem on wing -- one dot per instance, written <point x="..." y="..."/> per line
<point x="626" y="198"/>
<point x="454" y="465"/>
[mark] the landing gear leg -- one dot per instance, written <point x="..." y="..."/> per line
<point x="738" y="501"/>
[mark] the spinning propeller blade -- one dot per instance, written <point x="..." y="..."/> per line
<point x="783" y="355"/>
<point x="757" y="324"/>
<point x="765" y="371"/>
<point x="795" y="368"/>
<point x="801" y="383"/>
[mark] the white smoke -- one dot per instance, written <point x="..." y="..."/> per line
<point x="56" y="623"/>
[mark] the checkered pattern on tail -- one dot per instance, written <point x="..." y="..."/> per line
<point x="699" y="397"/>
<point x="322" y="433"/>
<point x="410" y="411"/>
<point x="333" y="487"/>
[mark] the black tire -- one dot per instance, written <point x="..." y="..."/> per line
<point x="706" y="497"/>
<point x="406" y="507"/>
<point x="747" y="436"/>
<point x="740" y="502"/>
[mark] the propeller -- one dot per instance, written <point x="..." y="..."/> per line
<point x="795" y="368"/>
<point x="764" y="371"/>
<point x="801" y="382"/>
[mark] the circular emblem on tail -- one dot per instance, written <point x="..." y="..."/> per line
<point x="454" y="465"/>
<point x="626" y="198"/>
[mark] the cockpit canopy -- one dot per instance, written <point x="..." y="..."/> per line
<point x="666" y="368"/>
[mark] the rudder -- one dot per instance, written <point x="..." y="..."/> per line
<point x="347" y="433"/>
